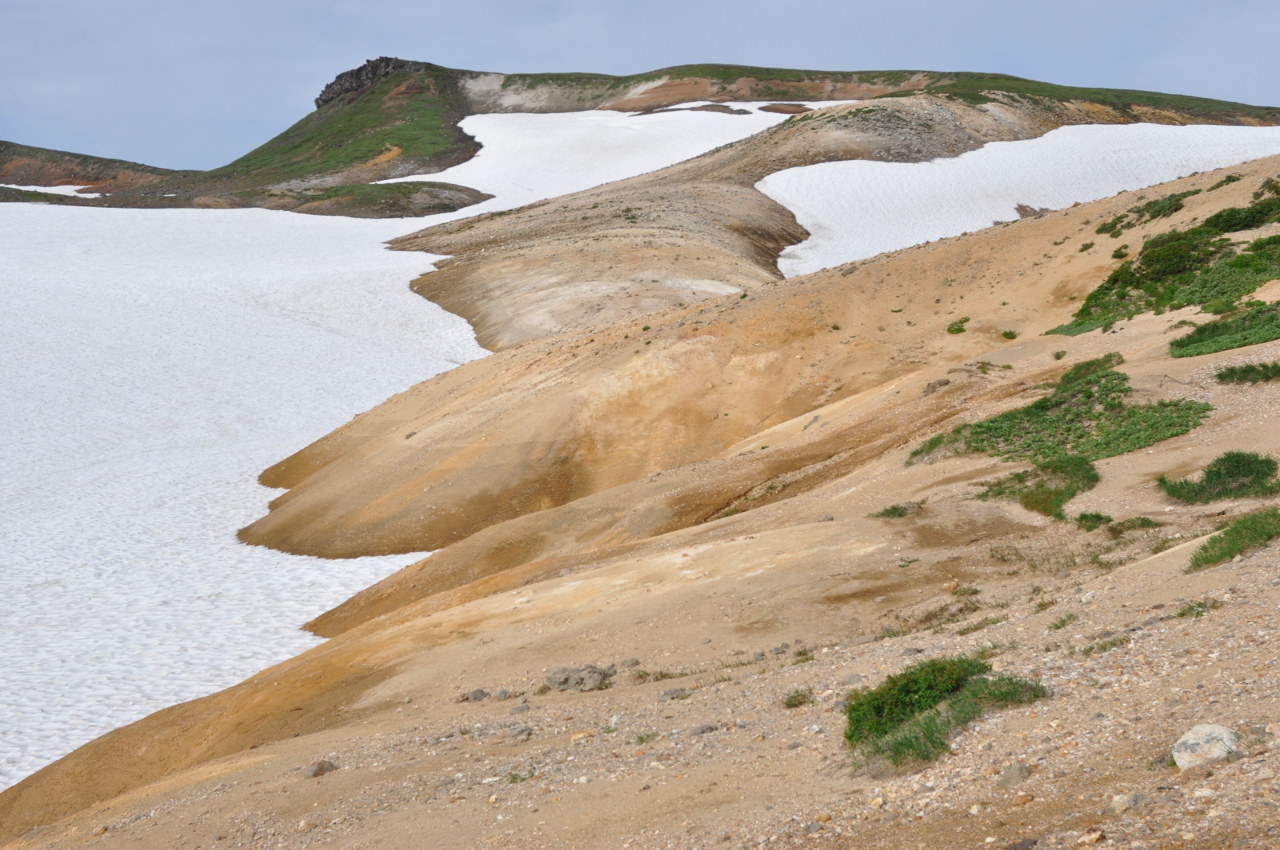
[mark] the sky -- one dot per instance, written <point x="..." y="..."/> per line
<point x="195" y="84"/>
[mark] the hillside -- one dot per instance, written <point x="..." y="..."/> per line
<point x="691" y="493"/>
<point x="391" y="117"/>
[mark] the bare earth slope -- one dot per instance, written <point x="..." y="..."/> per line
<point x="692" y="490"/>
<point x="697" y="229"/>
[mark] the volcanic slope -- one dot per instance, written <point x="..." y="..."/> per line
<point x="708" y="516"/>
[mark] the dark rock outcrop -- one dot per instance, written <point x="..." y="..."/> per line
<point x="366" y="75"/>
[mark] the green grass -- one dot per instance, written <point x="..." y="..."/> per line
<point x="1142" y="213"/>
<point x="1085" y="415"/>
<point x="1119" y="529"/>
<point x="1257" y="322"/>
<point x="798" y="697"/>
<point x="1104" y="646"/>
<point x="894" y="512"/>
<point x="1180" y="268"/>
<point x="1047" y="488"/>
<point x="978" y="88"/>
<point x="1092" y="521"/>
<point x="913" y="714"/>
<point x="1062" y="622"/>
<point x="957" y="327"/>
<point x="354" y="130"/>
<point x="1231" y="475"/>
<point x="1250" y="373"/>
<point x="1199" y="608"/>
<point x="1251" y="531"/>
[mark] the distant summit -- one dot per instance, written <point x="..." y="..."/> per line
<point x="368" y="74"/>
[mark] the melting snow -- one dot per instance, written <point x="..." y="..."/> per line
<point x="527" y="157"/>
<point x="73" y="191"/>
<point x="858" y="209"/>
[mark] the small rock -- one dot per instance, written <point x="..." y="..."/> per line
<point x="853" y="678"/>
<point x="522" y="733"/>
<point x="520" y="709"/>
<point x="502" y="695"/>
<point x="319" y="768"/>
<point x="877" y="803"/>
<point x="1022" y="799"/>
<point x="707" y="728"/>
<point x="1023" y="844"/>
<point x="673" y="693"/>
<point x="631" y="662"/>
<point x="1265" y="775"/>
<point x="826" y="518"/>
<point x="478" y="695"/>
<point x="1014" y="774"/>
<point x="1131" y="802"/>
<point x="1207" y="743"/>
<point x="1092" y="835"/>
<point x="588" y="678"/>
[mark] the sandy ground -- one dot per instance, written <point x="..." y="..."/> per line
<point x="692" y="492"/>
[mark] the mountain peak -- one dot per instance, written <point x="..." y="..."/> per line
<point x="366" y="75"/>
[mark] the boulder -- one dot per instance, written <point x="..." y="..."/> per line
<point x="1205" y="744"/>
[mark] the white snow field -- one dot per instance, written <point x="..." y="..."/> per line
<point x="858" y="209"/>
<point x="573" y="151"/>
<point x="70" y="191"/>
<point x="153" y="362"/>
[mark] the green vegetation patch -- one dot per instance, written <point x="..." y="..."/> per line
<point x="1090" y="521"/>
<point x="351" y="131"/>
<point x="1142" y="213"/>
<point x="1257" y="322"/>
<point x="1251" y="531"/>
<point x="1199" y="608"/>
<point x="913" y="714"/>
<point x="978" y="88"/>
<point x="1085" y="416"/>
<point x="1047" y="488"/>
<point x="1120" y="529"/>
<point x="1231" y="475"/>
<point x="1180" y="268"/>
<point x="1250" y="373"/>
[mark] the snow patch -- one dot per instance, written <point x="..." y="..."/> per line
<point x="857" y="209"/>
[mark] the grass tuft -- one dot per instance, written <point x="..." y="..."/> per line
<point x="913" y="714"/>
<point x="1251" y="531"/>
<point x="1231" y="475"/>
<point x="1250" y="373"/>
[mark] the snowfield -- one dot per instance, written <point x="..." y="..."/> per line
<point x="70" y="191"/>
<point x="573" y="151"/>
<point x="858" y="209"/>
<point x="154" y="361"/>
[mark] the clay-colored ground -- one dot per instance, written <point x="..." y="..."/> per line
<point x="689" y="488"/>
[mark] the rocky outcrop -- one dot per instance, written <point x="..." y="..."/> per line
<point x="366" y="75"/>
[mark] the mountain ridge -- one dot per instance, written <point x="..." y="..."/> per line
<point x="392" y="117"/>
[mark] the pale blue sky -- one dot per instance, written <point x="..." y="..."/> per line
<point x="196" y="83"/>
